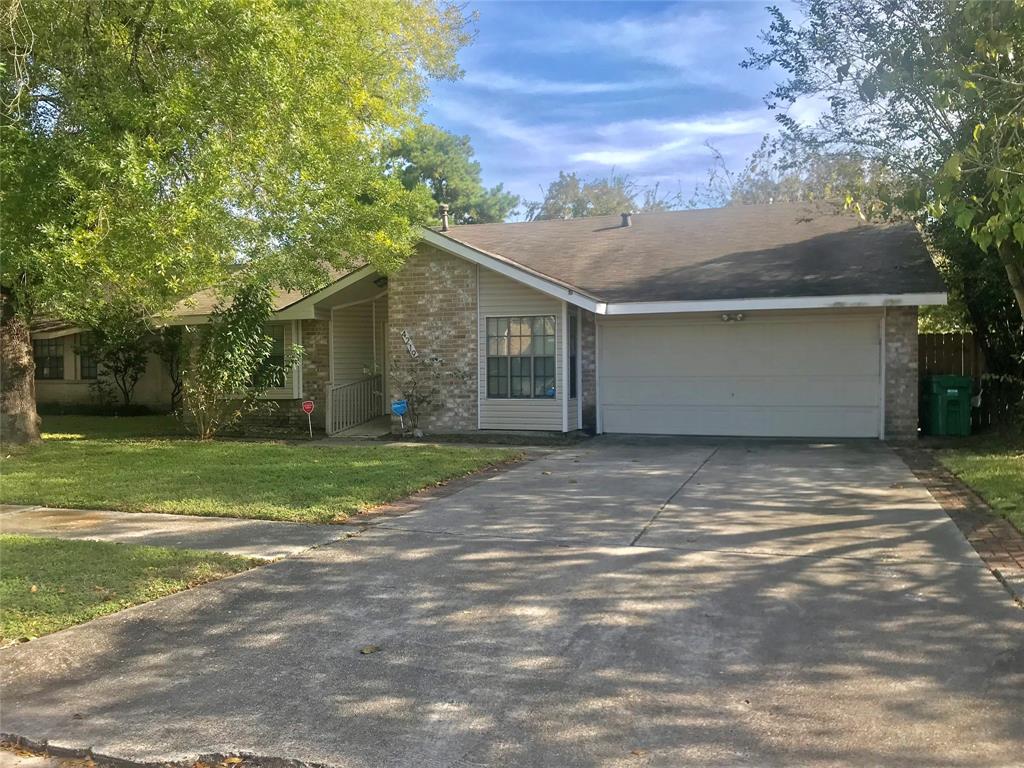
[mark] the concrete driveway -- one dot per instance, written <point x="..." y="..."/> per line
<point x="628" y="603"/>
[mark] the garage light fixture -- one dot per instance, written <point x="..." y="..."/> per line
<point x="736" y="317"/>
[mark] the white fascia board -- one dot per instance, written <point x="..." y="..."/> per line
<point x="305" y="308"/>
<point x="508" y="269"/>
<point x="792" y="302"/>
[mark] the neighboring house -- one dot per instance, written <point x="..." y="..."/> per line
<point x="775" y="320"/>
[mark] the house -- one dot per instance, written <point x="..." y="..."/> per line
<point x="772" y="320"/>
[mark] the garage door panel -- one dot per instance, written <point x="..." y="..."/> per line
<point x="755" y="391"/>
<point x="814" y="376"/>
<point x="736" y="354"/>
<point x="739" y="421"/>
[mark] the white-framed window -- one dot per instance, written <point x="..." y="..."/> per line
<point x="276" y="333"/>
<point x="87" y="367"/>
<point x="49" y="358"/>
<point x="521" y="357"/>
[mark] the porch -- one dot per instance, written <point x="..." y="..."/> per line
<point x="357" y="357"/>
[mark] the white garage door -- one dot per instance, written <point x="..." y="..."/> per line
<point x="766" y="375"/>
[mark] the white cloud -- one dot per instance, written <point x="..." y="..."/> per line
<point x="640" y="142"/>
<point x="492" y="80"/>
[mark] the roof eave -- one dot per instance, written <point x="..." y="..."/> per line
<point x="784" y="302"/>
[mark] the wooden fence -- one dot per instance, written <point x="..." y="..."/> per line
<point x="959" y="354"/>
<point x="955" y="353"/>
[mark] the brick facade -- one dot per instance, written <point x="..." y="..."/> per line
<point x="433" y="299"/>
<point x="901" y="383"/>
<point x="588" y="370"/>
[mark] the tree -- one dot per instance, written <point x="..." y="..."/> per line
<point x="148" y="146"/>
<point x="930" y="89"/>
<point x="572" y="197"/>
<point x="426" y="154"/>
<point x="786" y="172"/>
<point x="169" y="346"/>
<point x="226" y="370"/>
<point x="120" y="345"/>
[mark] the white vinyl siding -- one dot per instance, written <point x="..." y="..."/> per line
<point x="503" y="297"/>
<point x="770" y="374"/>
<point x="353" y="342"/>
<point x="359" y="341"/>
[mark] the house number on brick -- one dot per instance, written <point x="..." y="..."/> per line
<point x="410" y="347"/>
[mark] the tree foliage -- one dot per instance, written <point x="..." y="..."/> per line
<point x="932" y="90"/>
<point x="147" y="145"/>
<point x="426" y="154"/>
<point x="572" y="197"/>
<point x="120" y="343"/>
<point x="786" y="172"/>
<point x="226" y="371"/>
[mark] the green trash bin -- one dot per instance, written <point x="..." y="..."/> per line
<point x="947" y="405"/>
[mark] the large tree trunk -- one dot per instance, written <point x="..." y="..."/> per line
<point x="19" y="422"/>
<point x="1013" y="261"/>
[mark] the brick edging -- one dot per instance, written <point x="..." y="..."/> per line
<point x="998" y="543"/>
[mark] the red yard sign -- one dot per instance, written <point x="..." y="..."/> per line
<point x="307" y="408"/>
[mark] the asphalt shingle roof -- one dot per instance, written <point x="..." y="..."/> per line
<point x="755" y="251"/>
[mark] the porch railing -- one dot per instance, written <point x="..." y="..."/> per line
<point x="351" y="404"/>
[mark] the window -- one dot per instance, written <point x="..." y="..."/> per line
<point x="87" y="368"/>
<point x="276" y="359"/>
<point x="573" y="325"/>
<point x="49" y="358"/>
<point x="521" y="357"/>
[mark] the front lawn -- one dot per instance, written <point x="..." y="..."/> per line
<point x="229" y="478"/>
<point x="49" y="584"/>
<point x="995" y="469"/>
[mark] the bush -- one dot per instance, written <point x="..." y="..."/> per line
<point x="227" y="364"/>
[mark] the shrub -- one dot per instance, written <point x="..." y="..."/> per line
<point x="227" y="366"/>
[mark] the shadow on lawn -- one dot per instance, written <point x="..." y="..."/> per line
<point x="503" y="651"/>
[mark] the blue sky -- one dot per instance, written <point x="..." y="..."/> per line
<point x="592" y="86"/>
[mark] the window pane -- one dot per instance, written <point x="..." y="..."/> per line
<point x="549" y="325"/>
<point x="519" y="380"/>
<point x="492" y="326"/>
<point x="502" y="326"/>
<point x="497" y="377"/>
<point x="544" y="377"/>
<point x="87" y="367"/>
<point x="548" y="347"/>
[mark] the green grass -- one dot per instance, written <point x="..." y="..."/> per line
<point x="267" y="480"/>
<point x="995" y="469"/>
<point x="84" y="427"/>
<point x="49" y="584"/>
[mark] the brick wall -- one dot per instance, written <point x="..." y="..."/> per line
<point x="433" y="298"/>
<point x="901" y="381"/>
<point x="588" y="371"/>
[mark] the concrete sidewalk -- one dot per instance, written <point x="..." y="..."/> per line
<point x="268" y="539"/>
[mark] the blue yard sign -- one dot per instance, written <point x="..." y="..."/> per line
<point x="400" y="408"/>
